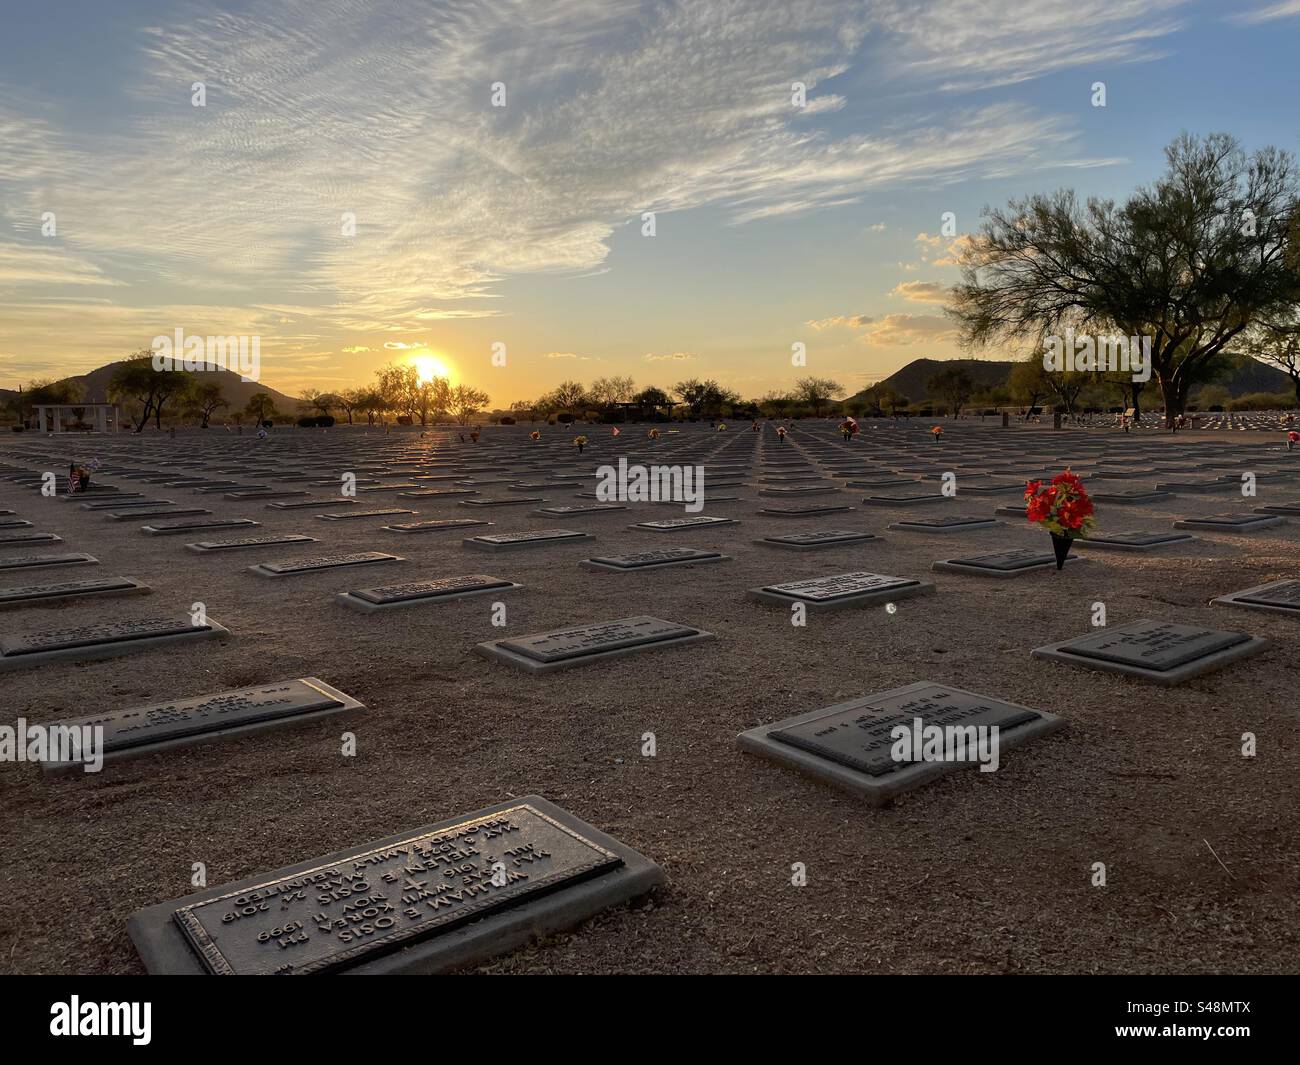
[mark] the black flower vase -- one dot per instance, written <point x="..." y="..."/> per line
<point x="1061" y="545"/>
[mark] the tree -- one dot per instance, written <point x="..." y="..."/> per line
<point x="953" y="385"/>
<point x="817" y="392"/>
<point x="568" y="397"/>
<point x="651" y="400"/>
<point x="372" y="403"/>
<point x="1028" y="383"/>
<point x="776" y="404"/>
<point x="704" y="398"/>
<point x="610" y="390"/>
<point x="313" y="399"/>
<point x="203" y="399"/>
<point x="172" y="384"/>
<point x="1190" y="261"/>
<point x="1277" y="343"/>
<point x="23" y="403"/>
<point x="350" y="401"/>
<point x="467" y="402"/>
<point x="134" y="381"/>
<point x="261" y="407"/>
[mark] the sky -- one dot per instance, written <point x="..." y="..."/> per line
<point x="128" y="212"/>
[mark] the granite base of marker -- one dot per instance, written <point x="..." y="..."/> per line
<point x="504" y="543"/>
<point x="1065" y="651"/>
<point x="620" y="637"/>
<point x="14" y="657"/>
<point x="874" y="588"/>
<point x="972" y="569"/>
<point x="1256" y="522"/>
<point x="68" y="591"/>
<point x="1276" y="597"/>
<point x="314" y="699"/>
<point x="420" y="593"/>
<point x="881" y="790"/>
<point x="816" y="541"/>
<point x="946" y="529"/>
<point x="1152" y="543"/>
<point x="164" y="948"/>
<point x="643" y="561"/>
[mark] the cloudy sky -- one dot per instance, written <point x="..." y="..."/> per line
<point x="522" y="225"/>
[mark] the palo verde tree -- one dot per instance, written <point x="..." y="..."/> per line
<point x="1190" y="261"/>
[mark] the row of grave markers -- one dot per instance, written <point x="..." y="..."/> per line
<point x="527" y="867"/>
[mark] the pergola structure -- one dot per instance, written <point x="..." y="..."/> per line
<point x="49" y="416"/>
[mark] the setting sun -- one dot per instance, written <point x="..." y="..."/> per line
<point x="430" y="366"/>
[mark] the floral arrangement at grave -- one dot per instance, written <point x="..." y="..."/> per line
<point x="534" y="436"/>
<point x="1292" y="438"/>
<point x="722" y="428"/>
<point x="936" y="431"/>
<point x="1063" y="508"/>
<point x="653" y="434"/>
<point x="579" y="442"/>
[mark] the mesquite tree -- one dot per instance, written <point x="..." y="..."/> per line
<point x="1190" y="261"/>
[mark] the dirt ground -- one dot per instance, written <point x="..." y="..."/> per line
<point x="975" y="873"/>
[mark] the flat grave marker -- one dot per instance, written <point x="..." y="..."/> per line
<point x="176" y="528"/>
<point x="26" y="562"/>
<point x="1158" y="651"/>
<point x="842" y="590"/>
<point x="319" y="563"/>
<point x="545" y="652"/>
<point x="516" y="502"/>
<point x="1279" y="597"/>
<point x="812" y="541"/>
<point x="417" y="592"/>
<point x="851" y="744"/>
<point x="312" y="501"/>
<point x="1005" y="564"/>
<point x="204" y="547"/>
<point x="578" y="508"/>
<point x="668" y="525"/>
<point x="17" y="539"/>
<point x="105" y="639"/>
<point x="142" y="730"/>
<point x="62" y="591"/>
<point x="1136" y="498"/>
<point x="441" y="525"/>
<point x="558" y="871"/>
<point x="349" y="515"/>
<point x="814" y="511"/>
<point x="162" y="512"/>
<point x="919" y="499"/>
<point x="1132" y="541"/>
<point x="945" y="526"/>
<point x="640" y="561"/>
<point x="1235" y="523"/>
<point x="523" y="540"/>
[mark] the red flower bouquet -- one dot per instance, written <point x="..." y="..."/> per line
<point x="1062" y="508"/>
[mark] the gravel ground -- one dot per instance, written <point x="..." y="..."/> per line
<point x="975" y="873"/>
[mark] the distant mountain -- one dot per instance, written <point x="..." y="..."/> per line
<point x="1247" y="376"/>
<point x="910" y="380"/>
<point x="236" y="392"/>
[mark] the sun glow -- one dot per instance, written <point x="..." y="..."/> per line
<point x="430" y="366"/>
